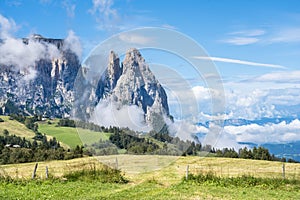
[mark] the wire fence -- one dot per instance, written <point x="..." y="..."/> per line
<point x="168" y="168"/>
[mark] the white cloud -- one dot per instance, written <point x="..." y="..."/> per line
<point x="20" y="56"/>
<point x="263" y="102"/>
<point x="245" y="37"/>
<point x="185" y="130"/>
<point x="7" y="26"/>
<point x="230" y="136"/>
<point x="241" y="62"/>
<point x="283" y="76"/>
<point x="249" y="105"/>
<point x="70" y="8"/>
<point x="204" y="93"/>
<point x="268" y="133"/>
<point x="226" y="140"/>
<point x="72" y="42"/>
<point x="107" y="17"/>
<point x="287" y="35"/>
<point x="286" y="96"/>
<point x="108" y="113"/>
<point x="14" y="52"/>
<point x="241" y="40"/>
<point x="249" y="33"/>
<point x="246" y="100"/>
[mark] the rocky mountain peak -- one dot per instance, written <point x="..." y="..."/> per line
<point x="133" y="59"/>
<point x="133" y="54"/>
<point x="113" y="70"/>
<point x="138" y="86"/>
<point x="59" y="43"/>
<point x="123" y="84"/>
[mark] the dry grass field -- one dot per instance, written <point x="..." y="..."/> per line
<point x="162" y="168"/>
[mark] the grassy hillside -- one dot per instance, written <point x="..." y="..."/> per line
<point x="151" y="177"/>
<point x="15" y="127"/>
<point x="71" y="136"/>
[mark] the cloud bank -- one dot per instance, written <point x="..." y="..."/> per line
<point x="269" y="133"/>
<point x="108" y="113"/>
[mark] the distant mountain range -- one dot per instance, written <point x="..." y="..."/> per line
<point x="287" y="150"/>
<point x="242" y="122"/>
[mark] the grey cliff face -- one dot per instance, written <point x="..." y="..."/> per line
<point x="110" y="77"/>
<point x="138" y="86"/>
<point x="49" y="93"/>
<point x="132" y="83"/>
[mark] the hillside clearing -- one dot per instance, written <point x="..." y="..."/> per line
<point x="72" y="136"/>
<point x="15" y="127"/>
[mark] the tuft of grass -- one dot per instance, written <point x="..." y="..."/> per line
<point x="103" y="175"/>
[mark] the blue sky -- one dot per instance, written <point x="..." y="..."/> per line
<point x="254" y="44"/>
<point x="258" y="31"/>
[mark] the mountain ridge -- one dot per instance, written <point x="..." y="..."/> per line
<point x="50" y="86"/>
<point x="126" y="83"/>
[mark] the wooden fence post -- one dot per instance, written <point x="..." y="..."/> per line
<point x="34" y="171"/>
<point x="117" y="164"/>
<point x="283" y="170"/>
<point x="187" y="172"/>
<point x="47" y="173"/>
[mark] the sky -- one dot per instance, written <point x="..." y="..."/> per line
<point x="254" y="45"/>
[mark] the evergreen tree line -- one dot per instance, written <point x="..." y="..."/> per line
<point x="135" y="143"/>
<point x="14" y="149"/>
<point x="257" y="153"/>
<point x="85" y="125"/>
<point x="132" y="143"/>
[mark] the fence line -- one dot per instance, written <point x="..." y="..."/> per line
<point x="253" y="170"/>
